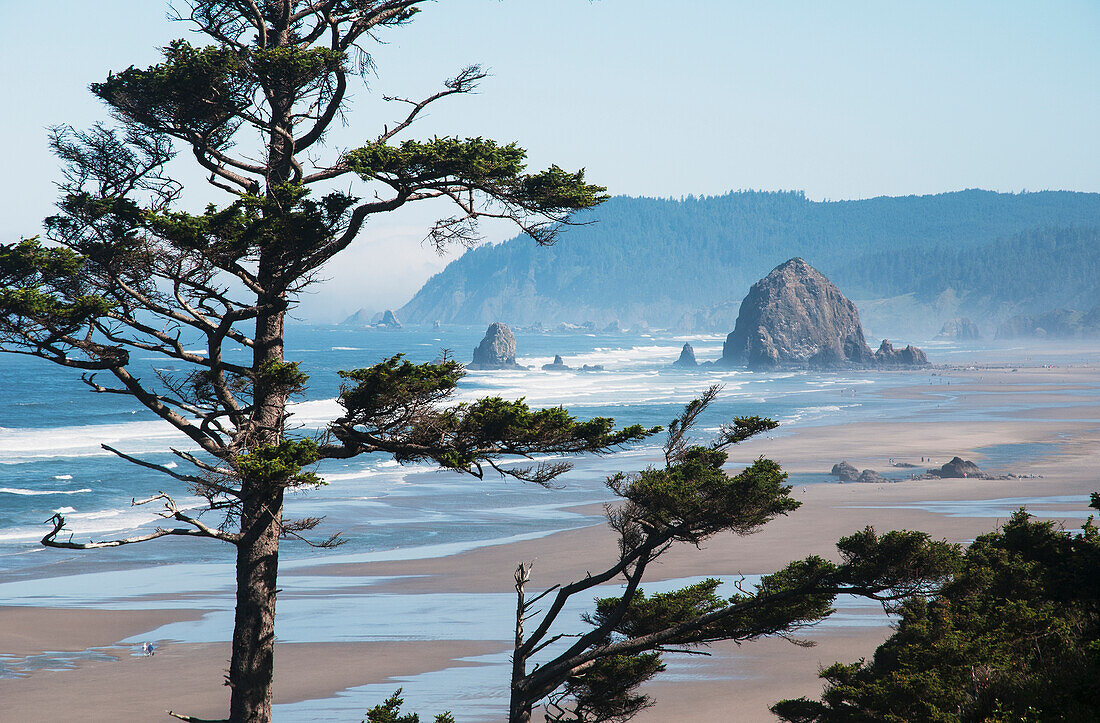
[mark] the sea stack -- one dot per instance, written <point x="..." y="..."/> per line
<point x="795" y="317"/>
<point x="558" y="365"/>
<point x="687" y="358"/>
<point x="362" y="317"/>
<point x="497" y="349"/>
<point x="389" y="320"/>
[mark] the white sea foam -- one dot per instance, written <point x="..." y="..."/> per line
<point x="18" y="445"/>
<point x="98" y="523"/>
<point x="62" y="476"/>
<point x="807" y="414"/>
<point x="640" y="380"/>
<point x="21" y="491"/>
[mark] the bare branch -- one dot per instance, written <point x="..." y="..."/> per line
<point x="171" y="511"/>
<point x="153" y="466"/>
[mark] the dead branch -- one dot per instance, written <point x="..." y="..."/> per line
<point x="171" y="511"/>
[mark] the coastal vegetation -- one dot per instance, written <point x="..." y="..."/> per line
<point x="686" y="263"/>
<point x="128" y="272"/>
<point x="594" y="676"/>
<point x="1015" y="636"/>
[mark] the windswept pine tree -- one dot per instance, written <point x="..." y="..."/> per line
<point x="129" y="272"/>
<point x="595" y="676"/>
<point x="1014" y="636"/>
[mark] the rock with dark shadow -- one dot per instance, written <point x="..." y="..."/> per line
<point x="497" y="349"/>
<point x="869" y="475"/>
<point x="687" y="358"/>
<point x="845" y="471"/>
<point x="795" y="316"/>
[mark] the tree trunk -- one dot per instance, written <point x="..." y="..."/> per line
<point x="519" y="712"/>
<point x="519" y="709"/>
<point x="252" y="666"/>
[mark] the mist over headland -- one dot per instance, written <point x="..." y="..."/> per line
<point x="911" y="263"/>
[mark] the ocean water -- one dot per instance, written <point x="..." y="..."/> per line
<point x="52" y="426"/>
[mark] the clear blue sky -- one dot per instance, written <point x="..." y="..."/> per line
<point x="839" y="99"/>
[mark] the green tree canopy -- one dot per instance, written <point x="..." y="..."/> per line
<point x="127" y="268"/>
<point x="1015" y="636"/>
<point x="594" y="677"/>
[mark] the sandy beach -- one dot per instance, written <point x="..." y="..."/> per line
<point x="188" y="677"/>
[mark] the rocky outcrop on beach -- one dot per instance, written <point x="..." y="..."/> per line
<point x="687" y="358"/>
<point x="591" y="368"/>
<point x="796" y="317"/>
<point x="957" y="468"/>
<point x="869" y="475"/>
<point x="887" y="356"/>
<point x="959" y="329"/>
<point x="557" y="366"/>
<point x="497" y="349"/>
<point x="846" y="472"/>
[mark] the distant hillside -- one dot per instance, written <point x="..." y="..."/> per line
<point x="688" y="263"/>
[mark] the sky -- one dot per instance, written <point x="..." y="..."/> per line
<point x="841" y="100"/>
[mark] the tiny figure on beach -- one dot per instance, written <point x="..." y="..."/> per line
<point x="147" y="649"/>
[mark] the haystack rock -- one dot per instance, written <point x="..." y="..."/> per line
<point x="558" y="365"/>
<point x="795" y="317"/>
<point x="961" y="329"/>
<point x="687" y="358"/>
<point x="497" y="349"/>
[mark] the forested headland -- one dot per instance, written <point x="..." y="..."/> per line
<point x="909" y="262"/>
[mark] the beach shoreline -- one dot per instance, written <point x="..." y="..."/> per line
<point x="762" y="672"/>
